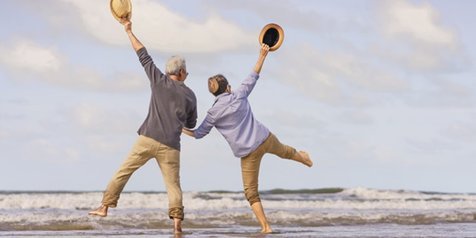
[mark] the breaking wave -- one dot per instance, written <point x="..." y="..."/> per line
<point x="301" y="208"/>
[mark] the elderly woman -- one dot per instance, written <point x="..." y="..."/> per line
<point x="249" y="139"/>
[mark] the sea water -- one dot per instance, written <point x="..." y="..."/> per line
<point x="336" y="212"/>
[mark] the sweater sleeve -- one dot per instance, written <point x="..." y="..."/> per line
<point x="153" y="73"/>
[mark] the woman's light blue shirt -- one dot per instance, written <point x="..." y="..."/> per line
<point x="232" y="116"/>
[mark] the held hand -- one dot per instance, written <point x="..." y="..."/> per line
<point x="262" y="56"/>
<point x="188" y="132"/>
<point x="136" y="44"/>
<point x="127" y="24"/>
<point x="264" y="50"/>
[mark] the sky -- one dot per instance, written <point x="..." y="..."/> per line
<point x="382" y="94"/>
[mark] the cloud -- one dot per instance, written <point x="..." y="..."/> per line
<point x="4" y="134"/>
<point x="29" y="56"/>
<point x="93" y="118"/>
<point x="419" y="22"/>
<point x="49" y="150"/>
<point x="418" y="39"/>
<point x="336" y="77"/>
<point x="300" y="16"/>
<point x="162" y="29"/>
<point x="355" y="117"/>
<point x="463" y="131"/>
<point x="27" y="59"/>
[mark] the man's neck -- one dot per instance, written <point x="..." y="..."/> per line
<point x="175" y="77"/>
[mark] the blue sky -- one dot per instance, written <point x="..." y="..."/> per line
<point x="380" y="93"/>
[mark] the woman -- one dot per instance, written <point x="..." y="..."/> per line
<point x="249" y="140"/>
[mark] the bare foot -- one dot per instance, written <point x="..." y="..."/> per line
<point x="266" y="230"/>
<point x="177" y="226"/>
<point x="305" y="159"/>
<point x="100" y="211"/>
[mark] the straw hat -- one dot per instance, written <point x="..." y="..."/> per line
<point x="272" y="35"/>
<point x="121" y="9"/>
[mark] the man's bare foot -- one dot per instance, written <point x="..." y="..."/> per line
<point x="305" y="158"/>
<point x="100" y="211"/>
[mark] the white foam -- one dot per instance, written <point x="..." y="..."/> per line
<point x="360" y="199"/>
<point x="378" y="194"/>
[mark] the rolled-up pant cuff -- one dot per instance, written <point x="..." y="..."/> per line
<point x="251" y="201"/>
<point x="176" y="212"/>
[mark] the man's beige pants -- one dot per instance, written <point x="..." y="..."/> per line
<point x="168" y="159"/>
<point x="250" y="164"/>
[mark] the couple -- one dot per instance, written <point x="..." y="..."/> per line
<point x="173" y="110"/>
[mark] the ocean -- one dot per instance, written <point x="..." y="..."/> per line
<point x="328" y="212"/>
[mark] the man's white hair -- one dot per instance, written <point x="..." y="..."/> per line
<point x="175" y="64"/>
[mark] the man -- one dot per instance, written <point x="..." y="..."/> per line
<point x="172" y="106"/>
<point x="249" y="140"/>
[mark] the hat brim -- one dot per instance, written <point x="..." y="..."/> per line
<point x="272" y="35"/>
<point x="121" y="9"/>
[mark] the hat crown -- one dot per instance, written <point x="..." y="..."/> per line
<point x="121" y="9"/>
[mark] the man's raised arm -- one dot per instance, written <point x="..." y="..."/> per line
<point x="136" y="44"/>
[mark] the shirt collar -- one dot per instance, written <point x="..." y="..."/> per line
<point x="220" y="96"/>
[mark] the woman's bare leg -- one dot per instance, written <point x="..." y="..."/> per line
<point x="259" y="213"/>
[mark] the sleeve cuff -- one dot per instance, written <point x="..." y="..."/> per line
<point x="141" y="51"/>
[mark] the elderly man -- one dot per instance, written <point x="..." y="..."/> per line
<point x="172" y="106"/>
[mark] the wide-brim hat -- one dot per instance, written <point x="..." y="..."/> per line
<point x="272" y="35"/>
<point x="121" y="9"/>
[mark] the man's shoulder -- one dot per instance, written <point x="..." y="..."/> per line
<point x="189" y="91"/>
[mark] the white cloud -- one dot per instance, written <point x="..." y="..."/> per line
<point x="4" y="134"/>
<point x="162" y="29"/>
<point x="94" y="118"/>
<point x="420" y="22"/>
<point x="355" y="117"/>
<point x="45" y="149"/>
<point x="26" y="55"/>
<point x="418" y="40"/>
<point x="336" y="77"/>
<point x="28" y="59"/>
<point x="461" y="132"/>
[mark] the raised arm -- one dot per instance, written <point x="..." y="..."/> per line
<point x="262" y="56"/>
<point x="249" y="83"/>
<point x="136" y="44"/>
<point x="151" y="70"/>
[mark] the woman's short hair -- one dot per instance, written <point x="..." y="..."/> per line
<point x="174" y="65"/>
<point x="217" y="84"/>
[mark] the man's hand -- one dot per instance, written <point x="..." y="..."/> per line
<point x="127" y="24"/>
<point x="136" y="44"/>
<point x="188" y="132"/>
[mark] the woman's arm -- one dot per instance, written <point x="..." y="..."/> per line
<point x="249" y="83"/>
<point x="262" y="56"/>
<point x="207" y="124"/>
